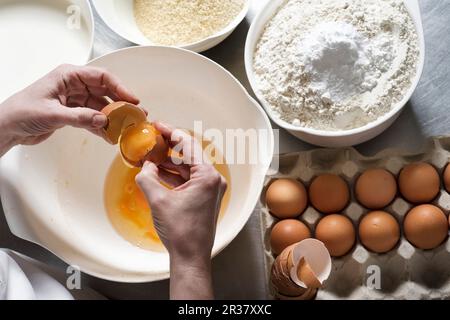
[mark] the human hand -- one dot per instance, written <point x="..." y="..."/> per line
<point x="185" y="217"/>
<point x="67" y="96"/>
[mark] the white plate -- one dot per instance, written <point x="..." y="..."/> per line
<point x="119" y="16"/>
<point x="52" y="194"/>
<point x="36" y="37"/>
<point x="333" y="139"/>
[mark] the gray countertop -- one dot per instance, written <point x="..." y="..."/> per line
<point x="239" y="270"/>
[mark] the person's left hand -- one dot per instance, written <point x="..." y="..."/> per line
<point x="67" y="96"/>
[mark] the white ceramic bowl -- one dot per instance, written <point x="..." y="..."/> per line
<point x="119" y="16"/>
<point x="39" y="35"/>
<point x="52" y="194"/>
<point x="331" y="138"/>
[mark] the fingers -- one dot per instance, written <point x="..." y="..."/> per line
<point x="89" y="101"/>
<point x="148" y="181"/>
<point x="183" y="170"/>
<point x="165" y="130"/>
<point x="79" y="118"/>
<point x="91" y="81"/>
<point x="96" y="77"/>
<point x="182" y="143"/>
<point x="170" y="179"/>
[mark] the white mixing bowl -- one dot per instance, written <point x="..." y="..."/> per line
<point x="52" y="194"/>
<point x="324" y="138"/>
<point x="39" y="35"/>
<point x="119" y="16"/>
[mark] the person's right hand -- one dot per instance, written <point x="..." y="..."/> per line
<point x="185" y="217"/>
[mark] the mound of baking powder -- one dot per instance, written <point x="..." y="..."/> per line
<point x="336" y="64"/>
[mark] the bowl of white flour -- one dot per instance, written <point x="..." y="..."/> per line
<point x="335" y="73"/>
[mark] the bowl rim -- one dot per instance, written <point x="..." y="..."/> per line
<point x="189" y="46"/>
<point x="90" y="13"/>
<point x="255" y="33"/>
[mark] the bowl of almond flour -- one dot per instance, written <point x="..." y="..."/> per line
<point x="196" y="25"/>
<point x="335" y="73"/>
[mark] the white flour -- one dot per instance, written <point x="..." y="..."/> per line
<point x="336" y="64"/>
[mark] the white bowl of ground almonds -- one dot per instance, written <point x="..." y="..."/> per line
<point x="196" y="25"/>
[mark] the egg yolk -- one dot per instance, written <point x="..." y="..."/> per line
<point x="128" y="209"/>
<point x="137" y="141"/>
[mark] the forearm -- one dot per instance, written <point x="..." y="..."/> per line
<point x="190" y="278"/>
<point x="5" y="145"/>
<point x="7" y="140"/>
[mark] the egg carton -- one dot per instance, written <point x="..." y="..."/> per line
<point x="403" y="273"/>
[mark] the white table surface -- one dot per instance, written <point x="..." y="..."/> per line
<point x="239" y="271"/>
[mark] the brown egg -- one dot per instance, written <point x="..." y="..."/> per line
<point x="286" y="198"/>
<point x="419" y="182"/>
<point x="329" y="193"/>
<point x="447" y="178"/>
<point x="286" y="233"/>
<point x="337" y="233"/>
<point x="426" y="226"/>
<point x="379" y="231"/>
<point x="376" y="188"/>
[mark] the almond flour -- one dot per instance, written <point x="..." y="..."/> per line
<point x="182" y="22"/>
<point x="336" y="64"/>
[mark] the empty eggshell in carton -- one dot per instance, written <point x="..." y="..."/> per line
<point x="410" y="272"/>
<point x="312" y="264"/>
<point x="300" y="270"/>
<point x="280" y="277"/>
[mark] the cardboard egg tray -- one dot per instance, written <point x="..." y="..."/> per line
<point x="405" y="272"/>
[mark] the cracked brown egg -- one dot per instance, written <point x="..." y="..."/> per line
<point x="419" y="182"/>
<point x="142" y="142"/>
<point x="138" y="139"/>
<point x="281" y="281"/>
